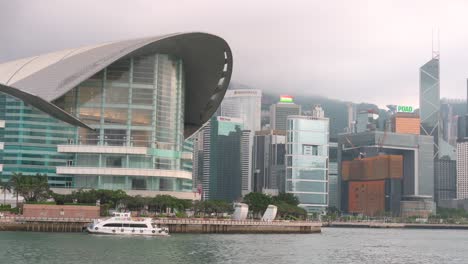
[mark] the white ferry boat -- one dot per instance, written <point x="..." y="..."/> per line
<point x="124" y="224"/>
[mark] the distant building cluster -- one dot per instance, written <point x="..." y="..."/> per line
<point x="155" y="116"/>
<point x="399" y="162"/>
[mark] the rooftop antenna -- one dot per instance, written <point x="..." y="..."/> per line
<point x="436" y="47"/>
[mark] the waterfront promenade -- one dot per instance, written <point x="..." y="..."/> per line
<point x="181" y="225"/>
<point x="393" y="225"/>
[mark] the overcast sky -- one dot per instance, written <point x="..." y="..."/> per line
<point x="361" y="51"/>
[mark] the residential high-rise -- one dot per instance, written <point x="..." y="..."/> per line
<point x="222" y="175"/>
<point x="351" y="110"/>
<point x="280" y="111"/>
<point x="429" y="101"/>
<point x="244" y="104"/>
<point x="268" y="166"/>
<point x="112" y="116"/>
<point x="307" y="161"/>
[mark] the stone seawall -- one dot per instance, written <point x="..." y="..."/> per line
<point x="393" y="225"/>
<point x="175" y="226"/>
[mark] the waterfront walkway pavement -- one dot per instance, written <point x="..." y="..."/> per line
<point x="234" y="222"/>
<point x="178" y="221"/>
<point x="16" y="219"/>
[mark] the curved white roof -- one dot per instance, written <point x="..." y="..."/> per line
<point x="40" y="80"/>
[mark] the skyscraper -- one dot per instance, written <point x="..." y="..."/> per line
<point x="246" y="161"/>
<point x="244" y="104"/>
<point x="307" y="161"/>
<point x="462" y="170"/>
<point x="280" y="111"/>
<point x="268" y="166"/>
<point x="446" y="181"/>
<point x="222" y="159"/>
<point x="333" y="181"/>
<point x="462" y="157"/>
<point x="429" y="101"/>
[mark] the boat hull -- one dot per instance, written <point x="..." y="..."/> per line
<point x="127" y="232"/>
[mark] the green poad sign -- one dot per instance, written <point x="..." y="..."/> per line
<point x="405" y="109"/>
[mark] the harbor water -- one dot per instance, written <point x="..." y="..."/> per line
<point x="333" y="245"/>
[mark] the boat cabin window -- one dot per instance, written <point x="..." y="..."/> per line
<point x="125" y="225"/>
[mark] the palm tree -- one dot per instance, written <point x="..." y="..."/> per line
<point x="6" y="187"/>
<point x="16" y="182"/>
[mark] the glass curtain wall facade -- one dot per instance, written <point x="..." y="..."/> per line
<point x="225" y="175"/>
<point x="429" y="101"/>
<point x="307" y="161"/>
<point x="136" y="103"/>
<point x="30" y="141"/>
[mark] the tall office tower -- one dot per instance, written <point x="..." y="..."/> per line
<point x="244" y="104"/>
<point x="246" y="161"/>
<point x="333" y="181"/>
<point x="448" y="122"/>
<point x="268" y="161"/>
<point x="222" y="159"/>
<point x="280" y="111"/>
<point x="307" y="161"/>
<point x="366" y="121"/>
<point x="429" y="100"/>
<point x="445" y="184"/>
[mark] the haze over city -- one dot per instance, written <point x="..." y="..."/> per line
<point x="209" y="131"/>
<point x="360" y="51"/>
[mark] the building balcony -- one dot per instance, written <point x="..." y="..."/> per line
<point x="99" y="171"/>
<point x="145" y="193"/>
<point x="102" y="149"/>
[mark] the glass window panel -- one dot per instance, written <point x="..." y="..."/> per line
<point x="117" y="95"/>
<point x="89" y="94"/>
<point x="90" y="115"/>
<point x="115" y="137"/>
<point x="142" y="117"/>
<point x="307" y="186"/>
<point x="140" y="138"/>
<point x="116" y="116"/>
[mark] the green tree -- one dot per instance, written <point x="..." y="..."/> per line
<point x="288" y="198"/>
<point x="258" y="202"/>
<point x="61" y="199"/>
<point x="15" y="178"/>
<point x="6" y="186"/>
<point x="32" y="188"/>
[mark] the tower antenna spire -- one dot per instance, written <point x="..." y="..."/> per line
<point x="436" y="47"/>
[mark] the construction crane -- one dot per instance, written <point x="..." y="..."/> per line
<point x="361" y="154"/>
<point x="382" y="139"/>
